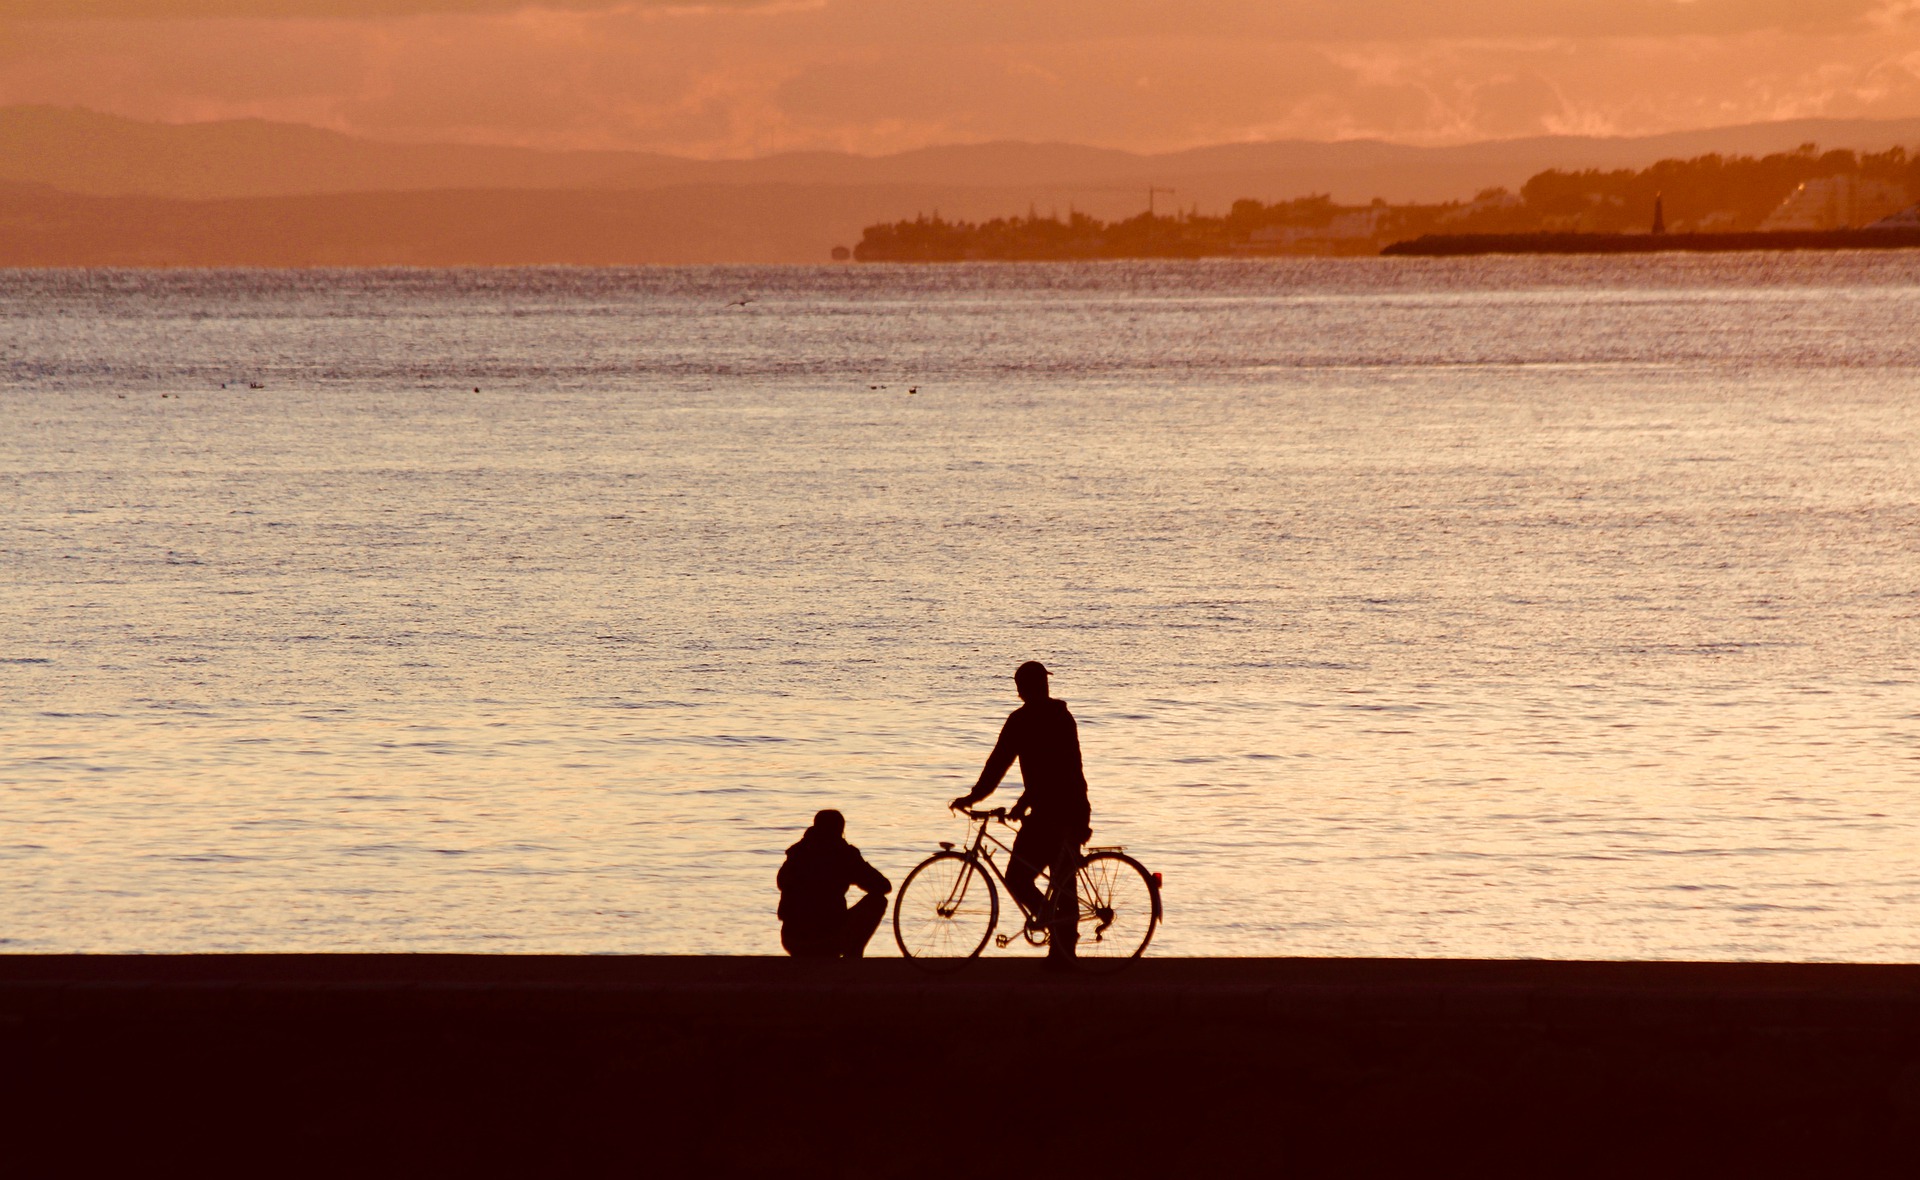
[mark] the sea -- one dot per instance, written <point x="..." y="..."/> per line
<point x="1502" y="607"/>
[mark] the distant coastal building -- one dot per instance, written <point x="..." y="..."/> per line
<point x="1353" y="225"/>
<point x="1836" y="202"/>
<point x="1493" y="200"/>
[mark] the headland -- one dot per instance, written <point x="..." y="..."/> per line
<point x="1800" y="200"/>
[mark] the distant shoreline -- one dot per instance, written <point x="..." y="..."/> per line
<point x="1455" y="245"/>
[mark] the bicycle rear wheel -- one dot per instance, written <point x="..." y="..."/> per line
<point x="1119" y="910"/>
<point x="945" y="911"/>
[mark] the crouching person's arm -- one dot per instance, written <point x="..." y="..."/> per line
<point x="864" y="918"/>
<point x="870" y="879"/>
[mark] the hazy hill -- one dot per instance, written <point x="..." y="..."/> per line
<point x="81" y="188"/>
<point x="86" y="152"/>
<point x="104" y="155"/>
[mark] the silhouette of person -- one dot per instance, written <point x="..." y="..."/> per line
<point x="815" y="921"/>
<point x="1056" y="817"/>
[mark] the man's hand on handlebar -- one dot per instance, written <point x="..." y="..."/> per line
<point x="962" y="805"/>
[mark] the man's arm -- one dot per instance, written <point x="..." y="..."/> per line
<point x="1004" y="752"/>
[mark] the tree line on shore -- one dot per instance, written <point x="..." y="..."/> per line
<point x="1711" y="193"/>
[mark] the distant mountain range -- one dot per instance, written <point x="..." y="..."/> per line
<point x="284" y="194"/>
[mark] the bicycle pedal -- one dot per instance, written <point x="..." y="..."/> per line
<point x="1001" y="940"/>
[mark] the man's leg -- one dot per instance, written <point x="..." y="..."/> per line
<point x="1020" y="877"/>
<point x="1032" y="849"/>
<point x="1063" y="932"/>
<point x="862" y="920"/>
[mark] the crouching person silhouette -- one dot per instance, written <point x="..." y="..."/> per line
<point x="815" y="921"/>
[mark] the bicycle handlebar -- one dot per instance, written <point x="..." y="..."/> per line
<point x="999" y="813"/>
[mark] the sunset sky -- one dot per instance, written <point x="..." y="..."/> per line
<point x="747" y="77"/>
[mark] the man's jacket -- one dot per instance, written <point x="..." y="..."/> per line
<point x="1042" y="735"/>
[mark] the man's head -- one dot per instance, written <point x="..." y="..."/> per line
<point x="829" y="824"/>
<point x="1030" y="679"/>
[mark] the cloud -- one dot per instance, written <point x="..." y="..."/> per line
<point x="731" y="79"/>
<point x="66" y="10"/>
<point x="1338" y="20"/>
<point x="1053" y="20"/>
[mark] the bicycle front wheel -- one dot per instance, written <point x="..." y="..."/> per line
<point x="1119" y="909"/>
<point x="946" y="911"/>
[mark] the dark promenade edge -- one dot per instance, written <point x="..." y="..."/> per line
<point x="549" y="1065"/>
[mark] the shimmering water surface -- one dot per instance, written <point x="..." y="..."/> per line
<point x="1499" y="607"/>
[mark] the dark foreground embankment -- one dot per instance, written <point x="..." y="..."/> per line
<point x="1454" y="245"/>
<point x="667" y="1066"/>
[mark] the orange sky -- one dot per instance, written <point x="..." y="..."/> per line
<point x="745" y="77"/>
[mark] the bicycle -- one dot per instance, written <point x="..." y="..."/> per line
<point x="948" y="906"/>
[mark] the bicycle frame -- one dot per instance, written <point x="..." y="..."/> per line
<point x="1093" y="896"/>
<point x="980" y="856"/>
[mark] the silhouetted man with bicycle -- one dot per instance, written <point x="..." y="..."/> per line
<point x="1056" y="817"/>
<point x="815" y="921"/>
